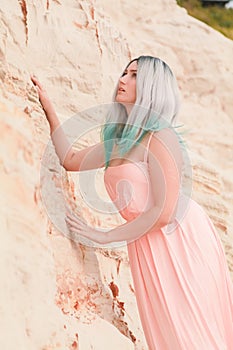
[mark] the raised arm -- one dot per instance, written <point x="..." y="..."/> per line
<point x="89" y="158"/>
<point x="86" y="159"/>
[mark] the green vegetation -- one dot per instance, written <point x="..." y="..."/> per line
<point x="215" y="16"/>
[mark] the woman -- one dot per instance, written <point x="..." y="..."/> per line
<point x="181" y="278"/>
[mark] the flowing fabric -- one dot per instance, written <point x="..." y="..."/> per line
<point x="182" y="282"/>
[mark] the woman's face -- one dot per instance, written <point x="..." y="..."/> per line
<point x="126" y="93"/>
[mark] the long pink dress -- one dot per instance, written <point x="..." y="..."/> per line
<point x="182" y="283"/>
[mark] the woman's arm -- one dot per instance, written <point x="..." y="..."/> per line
<point x="165" y="164"/>
<point x="89" y="158"/>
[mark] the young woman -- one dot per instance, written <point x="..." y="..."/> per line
<point x="182" y="283"/>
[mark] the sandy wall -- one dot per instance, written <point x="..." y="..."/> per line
<point x="57" y="294"/>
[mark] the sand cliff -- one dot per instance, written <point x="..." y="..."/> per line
<point x="57" y="294"/>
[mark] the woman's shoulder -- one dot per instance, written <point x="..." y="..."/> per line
<point x="165" y="144"/>
<point x="164" y="141"/>
<point x="166" y="134"/>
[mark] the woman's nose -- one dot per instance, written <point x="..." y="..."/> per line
<point x="123" y="79"/>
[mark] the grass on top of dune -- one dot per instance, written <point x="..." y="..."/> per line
<point x="216" y="16"/>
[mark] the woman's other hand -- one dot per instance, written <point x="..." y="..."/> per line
<point x="77" y="226"/>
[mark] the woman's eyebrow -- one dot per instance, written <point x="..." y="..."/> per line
<point x="131" y="70"/>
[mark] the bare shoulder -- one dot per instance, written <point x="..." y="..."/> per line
<point x="165" y="144"/>
<point x="166" y="137"/>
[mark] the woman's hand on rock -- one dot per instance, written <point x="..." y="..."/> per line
<point x="43" y="96"/>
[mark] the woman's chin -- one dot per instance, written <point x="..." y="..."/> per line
<point x="119" y="99"/>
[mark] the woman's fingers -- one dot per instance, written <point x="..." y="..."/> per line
<point x="72" y="223"/>
<point x="75" y="224"/>
<point x="33" y="79"/>
<point x="72" y="226"/>
<point x="75" y="219"/>
<point x="36" y="82"/>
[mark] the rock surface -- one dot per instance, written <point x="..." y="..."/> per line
<point x="56" y="293"/>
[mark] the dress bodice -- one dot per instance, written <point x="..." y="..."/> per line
<point x="129" y="187"/>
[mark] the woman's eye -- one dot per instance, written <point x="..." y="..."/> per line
<point x="124" y="74"/>
<point x="134" y="74"/>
